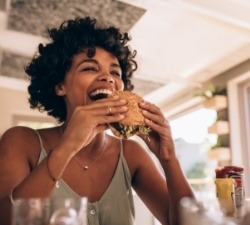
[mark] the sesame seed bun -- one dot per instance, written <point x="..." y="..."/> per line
<point x="133" y="123"/>
<point x="133" y="116"/>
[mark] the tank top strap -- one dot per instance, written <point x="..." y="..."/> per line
<point x="127" y="179"/>
<point x="121" y="147"/>
<point x="40" y="140"/>
<point x="125" y="165"/>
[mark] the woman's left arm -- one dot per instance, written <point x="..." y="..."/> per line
<point x="160" y="142"/>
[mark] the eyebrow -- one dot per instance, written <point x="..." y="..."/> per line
<point x="115" y="65"/>
<point x="86" y="61"/>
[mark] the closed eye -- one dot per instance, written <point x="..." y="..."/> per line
<point x="90" y="69"/>
<point x="116" y="73"/>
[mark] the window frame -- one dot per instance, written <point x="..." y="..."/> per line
<point x="239" y="117"/>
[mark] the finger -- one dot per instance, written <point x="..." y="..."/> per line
<point x="163" y="131"/>
<point x="156" y="118"/>
<point x="106" y="102"/>
<point x="152" y="112"/>
<point x="109" y="110"/>
<point x="109" y="118"/>
<point x="162" y="121"/>
<point x="102" y="127"/>
<point x="150" y="107"/>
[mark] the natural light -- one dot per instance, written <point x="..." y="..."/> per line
<point x="191" y="137"/>
<point x="193" y="126"/>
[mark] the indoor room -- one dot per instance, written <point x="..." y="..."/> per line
<point x="193" y="59"/>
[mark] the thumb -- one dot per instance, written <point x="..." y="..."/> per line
<point x="101" y="127"/>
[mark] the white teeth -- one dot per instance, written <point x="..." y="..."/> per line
<point x="101" y="91"/>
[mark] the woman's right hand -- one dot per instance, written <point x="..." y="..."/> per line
<point x="89" y="120"/>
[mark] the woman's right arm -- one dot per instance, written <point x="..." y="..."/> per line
<point x="19" y="150"/>
<point x="19" y="145"/>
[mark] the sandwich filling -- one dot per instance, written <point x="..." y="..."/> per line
<point x="126" y="131"/>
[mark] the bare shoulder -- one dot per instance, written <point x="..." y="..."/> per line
<point x="18" y="139"/>
<point x="19" y="134"/>
<point x="136" y="155"/>
<point x="132" y="147"/>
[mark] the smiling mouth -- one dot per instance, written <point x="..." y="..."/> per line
<point x="99" y="94"/>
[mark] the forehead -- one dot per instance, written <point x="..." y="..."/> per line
<point x="101" y="55"/>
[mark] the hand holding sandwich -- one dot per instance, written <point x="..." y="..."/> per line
<point x="147" y="121"/>
<point x="160" y="140"/>
<point x="142" y="118"/>
<point x="82" y="77"/>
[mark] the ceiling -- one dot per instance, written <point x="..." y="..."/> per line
<point x="184" y="43"/>
<point x="180" y="43"/>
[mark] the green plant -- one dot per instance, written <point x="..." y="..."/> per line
<point x="211" y="91"/>
<point x="220" y="118"/>
<point x="219" y="144"/>
<point x="197" y="171"/>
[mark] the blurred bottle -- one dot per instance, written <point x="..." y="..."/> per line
<point x="223" y="175"/>
<point x="239" y="191"/>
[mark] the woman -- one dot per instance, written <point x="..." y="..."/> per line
<point x="83" y="62"/>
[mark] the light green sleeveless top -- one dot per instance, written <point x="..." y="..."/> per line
<point x="116" y="206"/>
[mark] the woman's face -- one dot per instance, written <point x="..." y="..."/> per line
<point x="88" y="77"/>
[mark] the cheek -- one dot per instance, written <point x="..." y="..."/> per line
<point x="77" y="92"/>
<point x="119" y="85"/>
<point x="76" y="97"/>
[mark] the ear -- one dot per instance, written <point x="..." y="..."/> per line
<point x="59" y="89"/>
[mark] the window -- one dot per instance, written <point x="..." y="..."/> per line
<point x="192" y="143"/>
<point x="239" y="115"/>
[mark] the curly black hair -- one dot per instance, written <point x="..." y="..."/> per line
<point x="53" y="60"/>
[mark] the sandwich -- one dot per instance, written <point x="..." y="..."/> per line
<point x="133" y="123"/>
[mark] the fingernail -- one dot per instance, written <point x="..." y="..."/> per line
<point x="123" y="101"/>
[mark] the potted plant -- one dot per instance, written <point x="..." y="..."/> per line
<point x="220" y="151"/>
<point x="214" y="98"/>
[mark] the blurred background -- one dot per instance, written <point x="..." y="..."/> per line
<point x="194" y="63"/>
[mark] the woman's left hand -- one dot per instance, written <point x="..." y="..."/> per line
<point x="159" y="140"/>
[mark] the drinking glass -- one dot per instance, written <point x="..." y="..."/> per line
<point x="68" y="211"/>
<point x="246" y="217"/>
<point x="31" y="211"/>
<point x="194" y="212"/>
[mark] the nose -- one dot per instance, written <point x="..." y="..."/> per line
<point x="107" y="78"/>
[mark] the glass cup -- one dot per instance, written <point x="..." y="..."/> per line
<point x="193" y="212"/>
<point x="32" y="211"/>
<point x="68" y="211"/>
<point x="247" y="204"/>
<point x="246" y="216"/>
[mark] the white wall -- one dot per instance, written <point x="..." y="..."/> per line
<point x="142" y="215"/>
<point x="14" y="103"/>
